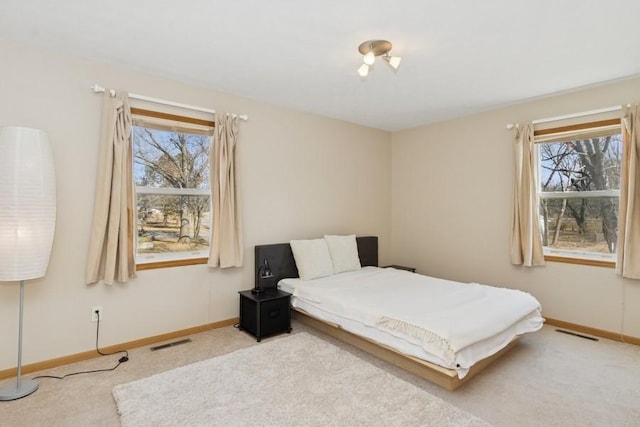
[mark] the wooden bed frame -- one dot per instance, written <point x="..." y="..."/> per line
<point x="283" y="265"/>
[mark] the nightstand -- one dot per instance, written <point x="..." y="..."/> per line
<point x="401" y="267"/>
<point x="265" y="313"/>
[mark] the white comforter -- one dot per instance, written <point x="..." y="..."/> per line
<point x="440" y="315"/>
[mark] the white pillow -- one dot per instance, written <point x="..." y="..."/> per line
<point x="344" y="253"/>
<point x="312" y="258"/>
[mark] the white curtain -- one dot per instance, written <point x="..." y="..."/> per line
<point x="526" y="241"/>
<point x="628" y="248"/>
<point x="226" y="248"/>
<point x="111" y="243"/>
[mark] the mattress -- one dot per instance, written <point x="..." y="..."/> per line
<point x="451" y="324"/>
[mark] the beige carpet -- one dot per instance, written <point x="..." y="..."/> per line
<point x="548" y="380"/>
<point x="294" y="380"/>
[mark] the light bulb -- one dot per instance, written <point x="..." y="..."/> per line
<point x="394" y="61"/>
<point x="369" y="58"/>
<point x="363" y="70"/>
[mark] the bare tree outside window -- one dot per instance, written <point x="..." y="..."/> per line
<point x="171" y="173"/>
<point x="579" y="193"/>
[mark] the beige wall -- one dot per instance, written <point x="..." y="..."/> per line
<point x="302" y="175"/>
<point x="451" y="195"/>
<point x="438" y="196"/>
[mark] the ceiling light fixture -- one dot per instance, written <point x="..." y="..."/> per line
<point x="372" y="48"/>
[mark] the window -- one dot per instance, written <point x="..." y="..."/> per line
<point x="579" y="189"/>
<point x="171" y="175"/>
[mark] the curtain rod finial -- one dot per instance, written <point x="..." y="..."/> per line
<point x="99" y="89"/>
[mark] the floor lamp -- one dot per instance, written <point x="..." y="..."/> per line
<point x="27" y="220"/>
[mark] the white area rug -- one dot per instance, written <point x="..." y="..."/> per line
<point x="296" y="380"/>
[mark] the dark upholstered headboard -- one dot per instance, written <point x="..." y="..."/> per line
<point x="283" y="265"/>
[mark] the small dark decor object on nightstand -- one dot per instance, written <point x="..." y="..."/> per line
<point x="264" y="274"/>
<point x="401" y="267"/>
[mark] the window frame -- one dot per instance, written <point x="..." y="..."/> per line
<point x="153" y="261"/>
<point x="565" y="255"/>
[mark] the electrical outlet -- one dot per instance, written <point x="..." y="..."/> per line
<point x="94" y="315"/>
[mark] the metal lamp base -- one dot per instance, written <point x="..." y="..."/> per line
<point x="13" y="391"/>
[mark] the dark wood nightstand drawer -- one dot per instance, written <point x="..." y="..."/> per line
<point x="266" y="313"/>
<point x="274" y="316"/>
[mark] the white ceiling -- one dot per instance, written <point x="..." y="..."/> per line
<point x="459" y="56"/>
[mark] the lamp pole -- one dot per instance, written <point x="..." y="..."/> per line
<point x="21" y="388"/>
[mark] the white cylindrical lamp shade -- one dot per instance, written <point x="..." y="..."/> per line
<point x="27" y="203"/>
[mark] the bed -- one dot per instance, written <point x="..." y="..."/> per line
<point x="443" y="331"/>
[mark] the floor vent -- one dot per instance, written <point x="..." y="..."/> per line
<point x="575" y="334"/>
<point x="170" y="344"/>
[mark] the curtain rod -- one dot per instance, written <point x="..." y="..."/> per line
<point x="571" y="116"/>
<point x="99" y="89"/>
